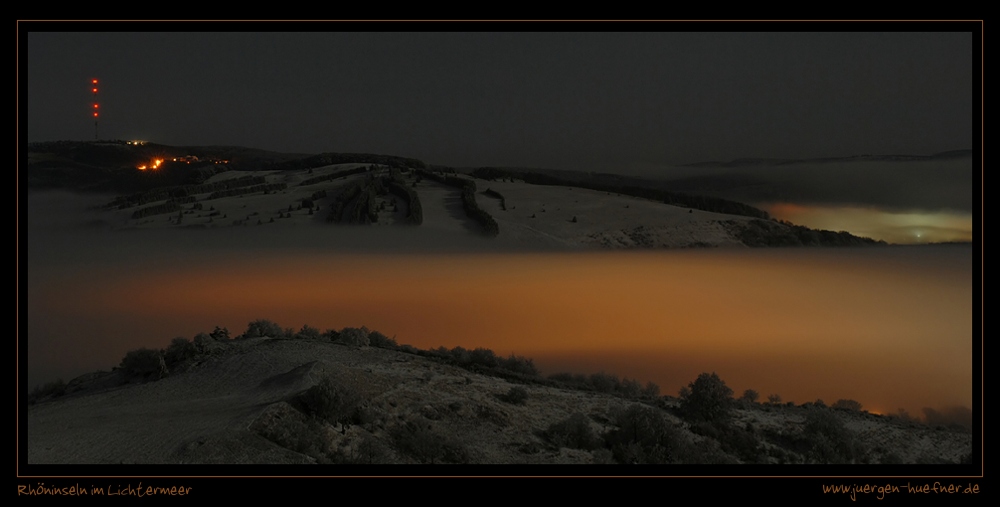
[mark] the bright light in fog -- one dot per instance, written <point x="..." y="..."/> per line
<point x="902" y="227"/>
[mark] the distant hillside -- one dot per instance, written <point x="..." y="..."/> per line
<point x="325" y="159"/>
<point x="760" y="162"/>
<point x="704" y="203"/>
<point x="206" y="186"/>
<point x="111" y="166"/>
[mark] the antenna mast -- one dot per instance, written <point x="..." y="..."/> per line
<point x="93" y="83"/>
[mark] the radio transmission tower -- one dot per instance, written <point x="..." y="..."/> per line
<point x="93" y="88"/>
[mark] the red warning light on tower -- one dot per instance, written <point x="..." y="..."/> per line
<point x="93" y="89"/>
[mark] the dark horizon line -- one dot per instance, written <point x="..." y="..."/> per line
<point x="955" y="153"/>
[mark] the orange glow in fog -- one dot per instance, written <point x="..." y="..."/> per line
<point x="889" y="332"/>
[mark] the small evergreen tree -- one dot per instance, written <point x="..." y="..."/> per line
<point x="708" y="399"/>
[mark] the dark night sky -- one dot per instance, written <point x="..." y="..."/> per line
<point x="593" y="101"/>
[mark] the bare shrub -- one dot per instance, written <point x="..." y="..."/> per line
<point x="409" y="349"/>
<point x="732" y="439"/>
<point x="308" y="333"/>
<point x="847" y="405"/>
<point x="143" y="364"/>
<point x="50" y="390"/>
<point x="604" y="382"/>
<point x="377" y="339"/>
<point x="951" y="417"/>
<point x="573" y="432"/>
<point x="369" y="450"/>
<point x="484" y="357"/>
<point x="202" y="342"/>
<point x="220" y="334"/>
<point x="517" y="395"/>
<point x="630" y="388"/>
<point x="643" y="435"/>
<point x="519" y="364"/>
<point x="460" y="355"/>
<point x="180" y="350"/>
<point x="356" y="337"/>
<point x="330" y="401"/>
<point x="294" y="431"/>
<point x="263" y="327"/>
<point x="651" y="390"/>
<point x="831" y="441"/>
<point x="421" y="441"/>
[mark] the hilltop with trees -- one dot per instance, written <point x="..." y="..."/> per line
<point x="356" y="396"/>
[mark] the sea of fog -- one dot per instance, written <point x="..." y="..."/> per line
<point x="890" y="327"/>
<point x="908" y="202"/>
